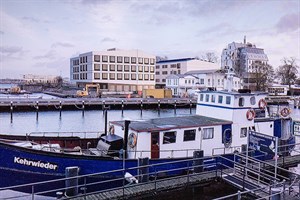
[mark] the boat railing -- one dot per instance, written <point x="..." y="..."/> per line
<point x="226" y="150"/>
<point x="87" y="134"/>
<point x="192" y="168"/>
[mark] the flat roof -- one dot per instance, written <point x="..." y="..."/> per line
<point x="162" y="124"/>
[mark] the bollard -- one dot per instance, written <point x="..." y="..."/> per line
<point x="143" y="172"/>
<point x="198" y="162"/>
<point x="37" y="110"/>
<point x="239" y="195"/>
<point x="158" y="104"/>
<point x="122" y="107"/>
<point x="11" y="111"/>
<point x="175" y="107"/>
<point x="190" y="106"/>
<point x="60" y="107"/>
<point x="103" y="106"/>
<point x="141" y="107"/>
<point x="71" y="184"/>
<point x="82" y="108"/>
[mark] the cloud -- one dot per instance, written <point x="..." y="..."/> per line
<point x="8" y="52"/>
<point x="1" y="32"/>
<point x="49" y="55"/>
<point x="62" y="44"/>
<point x="31" y="19"/>
<point x="288" y="23"/>
<point x="95" y="2"/>
<point x="108" y="39"/>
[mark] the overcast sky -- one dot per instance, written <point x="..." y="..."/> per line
<point x="40" y="36"/>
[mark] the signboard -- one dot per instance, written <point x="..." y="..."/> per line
<point x="263" y="143"/>
<point x="296" y="128"/>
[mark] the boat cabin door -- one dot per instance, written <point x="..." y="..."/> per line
<point x="155" y="145"/>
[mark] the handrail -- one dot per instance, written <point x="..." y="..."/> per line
<point x="96" y="134"/>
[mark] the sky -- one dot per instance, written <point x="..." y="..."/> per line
<point x="40" y="36"/>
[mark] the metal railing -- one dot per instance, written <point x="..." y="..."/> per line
<point x="86" y="134"/>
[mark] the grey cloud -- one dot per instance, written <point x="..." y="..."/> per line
<point x="95" y="2"/>
<point x="1" y="32"/>
<point x="11" y="51"/>
<point x="31" y="19"/>
<point x="49" y="55"/>
<point x="108" y="39"/>
<point x="287" y="23"/>
<point x="62" y="44"/>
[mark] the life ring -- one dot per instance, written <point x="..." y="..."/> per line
<point x="132" y="139"/>
<point x="262" y="103"/>
<point x="250" y="114"/>
<point x="112" y="130"/>
<point x="285" y="112"/>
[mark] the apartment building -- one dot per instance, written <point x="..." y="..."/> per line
<point x="114" y="70"/>
<point x="179" y="66"/>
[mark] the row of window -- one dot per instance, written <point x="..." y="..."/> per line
<point x="121" y="76"/>
<point x="212" y="98"/>
<point x="121" y="59"/>
<point x="125" y="68"/>
<point x="162" y="80"/>
<point x="177" y="65"/>
<point x="190" y="135"/>
<point x="81" y="76"/>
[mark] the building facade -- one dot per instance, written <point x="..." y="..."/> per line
<point x="33" y="78"/>
<point x="200" y="80"/>
<point x="114" y="70"/>
<point x="179" y="66"/>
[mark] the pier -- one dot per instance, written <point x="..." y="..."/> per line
<point x="252" y="178"/>
<point x="21" y="104"/>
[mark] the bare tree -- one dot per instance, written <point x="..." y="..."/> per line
<point x="210" y="57"/>
<point x="58" y="81"/>
<point x="161" y="58"/>
<point x="262" y="76"/>
<point x="287" y="72"/>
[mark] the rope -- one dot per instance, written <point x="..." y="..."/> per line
<point x="78" y="107"/>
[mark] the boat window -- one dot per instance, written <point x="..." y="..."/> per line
<point x="241" y="101"/>
<point x="213" y="99"/>
<point x="228" y="99"/>
<point x="207" y="98"/>
<point x="243" y="132"/>
<point x="201" y="97"/>
<point x="252" y="100"/>
<point x="189" y="135"/>
<point x="169" y="137"/>
<point x="220" y="99"/>
<point x="208" y="133"/>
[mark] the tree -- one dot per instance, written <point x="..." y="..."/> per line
<point x="161" y="58"/>
<point x="58" y="81"/>
<point x="210" y="57"/>
<point x="287" y="72"/>
<point x="262" y="75"/>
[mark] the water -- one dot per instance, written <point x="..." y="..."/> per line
<point x="92" y="120"/>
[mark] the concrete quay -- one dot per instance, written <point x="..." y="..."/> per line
<point x="35" y="104"/>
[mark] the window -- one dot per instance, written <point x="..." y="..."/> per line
<point x="152" y="61"/>
<point x="119" y="68"/>
<point x="140" y="76"/>
<point x="164" y="72"/>
<point x="104" y="58"/>
<point x="252" y="100"/>
<point x="146" y="76"/>
<point x="112" y="68"/>
<point x="243" y="132"/>
<point x="178" y="65"/>
<point x="97" y="58"/>
<point x="165" y="66"/>
<point x="163" y="80"/>
<point x="241" y="101"/>
<point x="146" y="60"/>
<point x="146" y="69"/>
<point x="157" y="73"/>
<point x="104" y="67"/>
<point x="151" y="69"/>
<point x="189" y="135"/>
<point x="213" y="99"/>
<point x="228" y="99"/>
<point x="112" y="76"/>
<point x="104" y="76"/>
<point x="201" y="97"/>
<point x="173" y="66"/>
<point x="97" y="67"/>
<point x="208" y="81"/>
<point x="220" y="99"/>
<point x="208" y="133"/>
<point x="126" y="59"/>
<point x="169" y="137"/>
<point x="133" y="60"/>
<point x="157" y="80"/>
<point x="133" y="76"/>
<point x="119" y="76"/>
<point x="96" y="75"/>
<point x="119" y="59"/>
<point x="207" y="98"/>
<point x="202" y="81"/>
<point x="112" y="59"/>
<point x="126" y="68"/>
<point x="126" y="76"/>
<point x="151" y="77"/>
<point x="133" y="68"/>
<point x="140" y="68"/>
<point x="140" y="60"/>
<point x="157" y="67"/>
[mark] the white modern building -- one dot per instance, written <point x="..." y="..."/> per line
<point x="199" y="80"/>
<point x="114" y="70"/>
<point x="179" y="66"/>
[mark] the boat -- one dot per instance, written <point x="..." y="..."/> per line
<point x="221" y="125"/>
